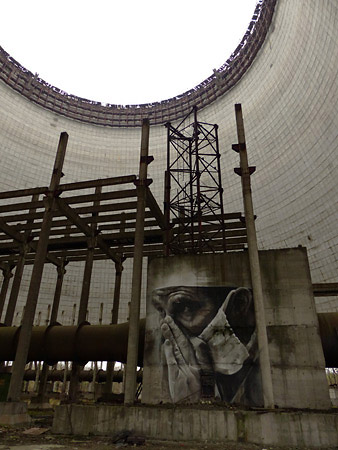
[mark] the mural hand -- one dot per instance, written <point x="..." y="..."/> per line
<point x="183" y="375"/>
<point x="227" y="351"/>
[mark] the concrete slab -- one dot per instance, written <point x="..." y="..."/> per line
<point x="196" y="423"/>
<point x="14" y="413"/>
<point x="31" y="447"/>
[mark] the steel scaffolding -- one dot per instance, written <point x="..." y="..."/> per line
<point x="193" y="188"/>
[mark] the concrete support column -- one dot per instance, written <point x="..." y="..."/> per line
<point x="245" y="171"/>
<point x="53" y="318"/>
<point x="64" y="382"/>
<point x="13" y="297"/>
<point x="87" y="276"/>
<point x="18" y="369"/>
<point x="19" y="270"/>
<point x="133" y="335"/>
<point x="7" y="275"/>
<point x="61" y="271"/>
<point x="74" y="376"/>
<point x="108" y="387"/>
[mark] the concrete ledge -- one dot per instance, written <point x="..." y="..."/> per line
<point x="14" y="413"/>
<point x="303" y="428"/>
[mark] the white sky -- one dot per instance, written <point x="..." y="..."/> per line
<point x="127" y="51"/>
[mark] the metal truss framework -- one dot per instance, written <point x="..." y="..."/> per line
<point x="193" y="189"/>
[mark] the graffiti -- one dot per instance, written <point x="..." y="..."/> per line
<point x="208" y="344"/>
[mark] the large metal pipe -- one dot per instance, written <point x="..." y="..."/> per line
<point x="80" y="343"/>
<point x="84" y="375"/>
<point x="328" y="330"/>
<point x="109" y="342"/>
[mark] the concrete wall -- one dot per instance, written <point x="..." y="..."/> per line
<point x="296" y="354"/>
<point x="201" y="424"/>
<point x="289" y="98"/>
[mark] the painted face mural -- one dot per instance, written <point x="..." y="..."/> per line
<point x="209" y="343"/>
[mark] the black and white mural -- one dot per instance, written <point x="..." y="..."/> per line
<point x="201" y="340"/>
<point x="206" y="344"/>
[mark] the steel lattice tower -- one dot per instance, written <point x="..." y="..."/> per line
<point x="193" y="188"/>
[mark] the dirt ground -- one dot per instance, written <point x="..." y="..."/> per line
<point x="38" y="436"/>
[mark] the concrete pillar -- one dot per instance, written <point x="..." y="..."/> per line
<point x="13" y="297"/>
<point x="7" y="275"/>
<point x="245" y="171"/>
<point x="117" y="289"/>
<point x="19" y="270"/>
<point x="133" y="335"/>
<point x="53" y="318"/>
<point x="64" y="383"/>
<point x="74" y="377"/>
<point x="87" y="275"/>
<point x="61" y="271"/>
<point x="34" y="287"/>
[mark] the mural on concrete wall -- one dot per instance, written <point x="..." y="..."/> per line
<point x="207" y="345"/>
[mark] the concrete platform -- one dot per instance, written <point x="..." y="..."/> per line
<point x="296" y="428"/>
<point x="14" y="413"/>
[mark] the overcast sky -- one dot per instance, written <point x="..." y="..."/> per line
<point x="127" y="51"/>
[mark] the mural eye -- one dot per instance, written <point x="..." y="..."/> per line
<point x="185" y="304"/>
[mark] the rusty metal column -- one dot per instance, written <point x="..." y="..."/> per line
<point x="133" y="335"/>
<point x="7" y="275"/>
<point x="18" y="369"/>
<point x="245" y="172"/>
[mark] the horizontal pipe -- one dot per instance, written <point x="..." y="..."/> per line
<point x="109" y="342"/>
<point x="328" y="330"/>
<point x="85" y="375"/>
<point x="80" y="343"/>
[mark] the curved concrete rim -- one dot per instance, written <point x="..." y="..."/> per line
<point x="209" y="90"/>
